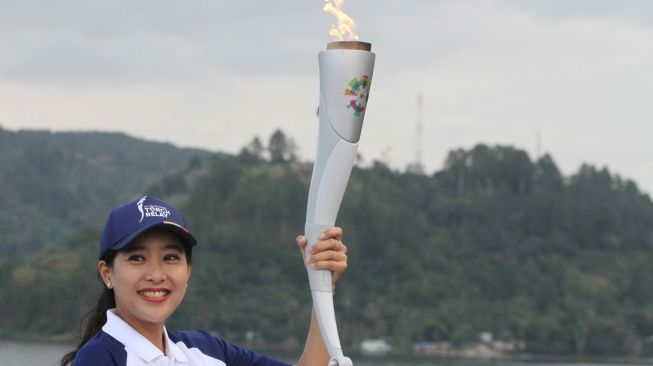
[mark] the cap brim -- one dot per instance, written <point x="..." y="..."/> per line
<point x="183" y="234"/>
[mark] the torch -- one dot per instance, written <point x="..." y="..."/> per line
<point x="345" y="77"/>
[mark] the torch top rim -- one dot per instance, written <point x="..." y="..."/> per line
<point x="349" y="45"/>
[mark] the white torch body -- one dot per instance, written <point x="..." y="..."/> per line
<point x="345" y="79"/>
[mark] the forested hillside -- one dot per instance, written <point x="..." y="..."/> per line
<point x="51" y="184"/>
<point x="492" y="242"/>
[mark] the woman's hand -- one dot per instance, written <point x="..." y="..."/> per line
<point x="329" y="253"/>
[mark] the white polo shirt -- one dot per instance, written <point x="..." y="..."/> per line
<point x="121" y="345"/>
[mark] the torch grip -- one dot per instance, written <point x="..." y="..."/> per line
<point x="319" y="280"/>
<point x="322" y="292"/>
<point x="340" y="361"/>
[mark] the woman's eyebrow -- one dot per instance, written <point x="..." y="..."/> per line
<point x="174" y="246"/>
<point x="135" y="247"/>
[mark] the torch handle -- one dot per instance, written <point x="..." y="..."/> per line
<point x="330" y="176"/>
<point x="319" y="280"/>
<point x="322" y="292"/>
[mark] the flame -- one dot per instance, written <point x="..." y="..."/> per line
<point x="345" y="24"/>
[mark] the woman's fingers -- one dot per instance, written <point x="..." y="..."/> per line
<point x="328" y="255"/>
<point x="329" y="244"/>
<point x="332" y="232"/>
<point x="301" y="243"/>
<point x="337" y="268"/>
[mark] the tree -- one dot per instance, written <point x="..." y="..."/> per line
<point x="281" y="148"/>
<point x="252" y="152"/>
<point x="547" y="175"/>
<point x="255" y="148"/>
<point x="195" y="163"/>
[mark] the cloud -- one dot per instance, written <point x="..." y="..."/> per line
<point x="214" y="73"/>
<point x="501" y="75"/>
<point x="145" y="40"/>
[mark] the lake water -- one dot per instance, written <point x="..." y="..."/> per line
<point x="37" y="354"/>
<point x="31" y="354"/>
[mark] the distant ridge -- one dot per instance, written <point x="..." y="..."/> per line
<point x="54" y="183"/>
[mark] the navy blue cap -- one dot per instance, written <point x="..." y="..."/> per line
<point x="128" y="221"/>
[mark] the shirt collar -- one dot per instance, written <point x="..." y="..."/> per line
<point x="136" y="343"/>
<point x="173" y="349"/>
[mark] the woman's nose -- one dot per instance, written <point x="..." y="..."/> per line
<point x="156" y="273"/>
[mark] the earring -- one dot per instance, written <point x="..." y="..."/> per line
<point x="108" y="284"/>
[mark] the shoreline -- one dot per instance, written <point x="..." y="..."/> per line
<point x="69" y="340"/>
<point x="523" y="358"/>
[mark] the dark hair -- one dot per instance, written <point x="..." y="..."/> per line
<point x="93" y="321"/>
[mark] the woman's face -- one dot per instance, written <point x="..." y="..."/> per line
<point x="149" y="278"/>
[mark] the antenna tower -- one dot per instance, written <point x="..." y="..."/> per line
<point x="417" y="167"/>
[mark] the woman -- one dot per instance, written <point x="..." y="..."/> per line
<point x="145" y="263"/>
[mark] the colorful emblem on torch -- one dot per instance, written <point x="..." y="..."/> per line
<point x="358" y="88"/>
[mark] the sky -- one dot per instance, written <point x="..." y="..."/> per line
<point x="214" y="74"/>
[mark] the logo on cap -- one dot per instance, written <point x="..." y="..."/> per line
<point x="151" y="210"/>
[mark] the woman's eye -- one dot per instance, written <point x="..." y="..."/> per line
<point x="136" y="258"/>
<point x="171" y="257"/>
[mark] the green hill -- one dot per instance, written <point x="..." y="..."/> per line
<point x="493" y="242"/>
<point x="53" y="184"/>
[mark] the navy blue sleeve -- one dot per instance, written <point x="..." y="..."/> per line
<point x="101" y="350"/>
<point x="230" y="353"/>
<point x="238" y="356"/>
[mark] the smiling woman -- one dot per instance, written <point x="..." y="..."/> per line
<point x="145" y="264"/>
<point x="149" y="278"/>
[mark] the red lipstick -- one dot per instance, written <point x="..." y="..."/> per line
<point x="154" y="294"/>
